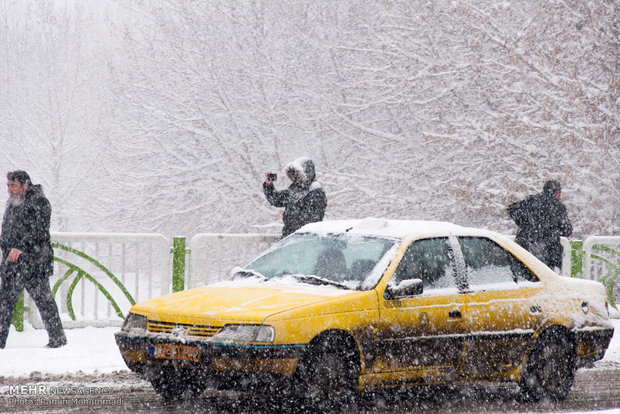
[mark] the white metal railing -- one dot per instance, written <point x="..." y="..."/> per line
<point x="601" y="262"/>
<point x="212" y="255"/>
<point x="566" y="256"/>
<point x="608" y="241"/>
<point x="142" y="265"/>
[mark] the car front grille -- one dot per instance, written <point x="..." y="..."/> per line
<point x="200" y="331"/>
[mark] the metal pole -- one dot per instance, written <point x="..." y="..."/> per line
<point x="178" y="264"/>
<point x="577" y="253"/>
<point x="18" y="316"/>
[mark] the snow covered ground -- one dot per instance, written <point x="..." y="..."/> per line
<point x="89" y="350"/>
<point x="93" y="350"/>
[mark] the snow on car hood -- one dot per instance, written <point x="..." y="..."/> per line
<point x="242" y="301"/>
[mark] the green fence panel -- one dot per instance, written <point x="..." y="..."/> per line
<point x="81" y="273"/>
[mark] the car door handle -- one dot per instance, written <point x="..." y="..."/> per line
<point x="455" y="314"/>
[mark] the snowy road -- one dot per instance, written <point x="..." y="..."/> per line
<point x="89" y="376"/>
<point x="595" y="390"/>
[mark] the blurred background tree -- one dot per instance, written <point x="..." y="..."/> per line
<point x="447" y="110"/>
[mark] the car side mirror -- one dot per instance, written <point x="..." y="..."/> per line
<point x="406" y="288"/>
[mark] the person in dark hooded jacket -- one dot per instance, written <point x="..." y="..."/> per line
<point x="27" y="256"/>
<point x="542" y="220"/>
<point x="304" y="201"/>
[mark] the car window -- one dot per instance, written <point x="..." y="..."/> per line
<point x="429" y="260"/>
<point x="346" y="259"/>
<point x="488" y="263"/>
<point x="522" y="273"/>
<point x="296" y="255"/>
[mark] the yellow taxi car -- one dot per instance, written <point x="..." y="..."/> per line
<point x="341" y="307"/>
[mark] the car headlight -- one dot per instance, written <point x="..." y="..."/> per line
<point x="245" y="333"/>
<point x="135" y="323"/>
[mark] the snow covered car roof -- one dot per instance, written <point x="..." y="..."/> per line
<point x="391" y="228"/>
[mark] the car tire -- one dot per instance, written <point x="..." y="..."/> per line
<point x="330" y="376"/>
<point x="326" y="377"/>
<point x="174" y="385"/>
<point x="550" y="369"/>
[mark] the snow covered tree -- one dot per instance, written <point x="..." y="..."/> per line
<point x="51" y="102"/>
<point x="445" y="110"/>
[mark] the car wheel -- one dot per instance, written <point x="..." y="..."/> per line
<point x="550" y="370"/>
<point x="174" y="385"/>
<point x="331" y="377"/>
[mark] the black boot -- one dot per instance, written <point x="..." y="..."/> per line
<point x="56" y="343"/>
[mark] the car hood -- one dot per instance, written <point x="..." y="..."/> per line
<point x="233" y="302"/>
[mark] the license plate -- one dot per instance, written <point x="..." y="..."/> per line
<point x="176" y="351"/>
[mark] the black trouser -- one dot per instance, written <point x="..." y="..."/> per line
<point x="547" y="251"/>
<point x="14" y="278"/>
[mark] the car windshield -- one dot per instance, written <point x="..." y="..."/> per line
<point x="347" y="261"/>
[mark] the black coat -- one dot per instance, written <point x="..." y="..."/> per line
<point x="27" y="228"/>
<point x="304" y="202"/>
<point x="541" y="219"/>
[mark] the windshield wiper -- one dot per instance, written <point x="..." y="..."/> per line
<point x="239" y="272"/>
<point x="317" y="280"/>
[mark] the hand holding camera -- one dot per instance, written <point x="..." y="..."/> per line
<point x="270" y="178"/>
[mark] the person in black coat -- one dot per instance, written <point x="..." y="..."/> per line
<point x="27" y="256"/>
<point x="304" y="201"/>
<point x="542" y="219"/>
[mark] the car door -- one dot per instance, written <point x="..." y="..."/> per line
<point x="419" y="336"/>
<point x="503" y="309"/>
